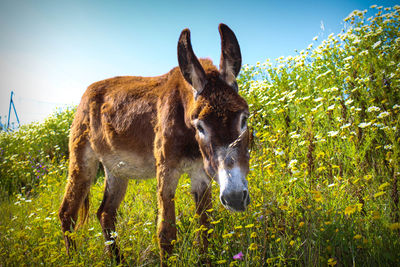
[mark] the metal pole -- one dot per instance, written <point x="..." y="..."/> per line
<point x="15" y="111"/>
<point x="9" y="111"/>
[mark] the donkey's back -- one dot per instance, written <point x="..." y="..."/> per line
<point x="116" y="119"/>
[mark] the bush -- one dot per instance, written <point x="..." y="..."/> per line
<point x="25" y="154"/>
<point x="326" y="124"/>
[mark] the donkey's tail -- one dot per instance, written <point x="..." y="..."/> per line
<point x="84" y="212"/>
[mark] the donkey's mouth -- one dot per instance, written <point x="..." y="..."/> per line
<point x="236" y="202"/>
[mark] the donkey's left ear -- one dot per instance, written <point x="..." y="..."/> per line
<point x="189" y="65"/>
<point x="231" y="58"/>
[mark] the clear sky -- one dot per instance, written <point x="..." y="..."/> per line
<point x="51" y="50"/>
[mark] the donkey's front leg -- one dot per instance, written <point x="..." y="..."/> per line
<point x="201" y="190"/>
<point x="167" y="180"/>
<point x="203" y="203"/>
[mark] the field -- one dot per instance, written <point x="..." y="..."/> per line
<point x="324" y="177"/>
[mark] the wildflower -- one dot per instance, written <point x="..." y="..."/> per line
<point x="294" y="135"/>
<point x="253" y="246"/>
<point x="333" y="133"/>
<point x="382" y="186"/>
<point x="279" y="152"/>
<point x="331" y="107"/>
<point x="348" y="101"/>
<point x="375" y="45"/>
<point x="332" y="262"/>
<point x="364" y="124"/>
<point x="383" y="114"/>
<point x="350" y="210"/>
<point x="345" y="126"/>
<point x="348" y="58"/>
<point x="357" y="236"/>
<point x="238" y="256"/>
<point x="396" y="106"/>
<point x="292" y="163"/>
<point x="373" y="108"/>
<point x="114" y="235"/>
<point x="379" y="194"/>
<point x="387" y="147"/>
<point x="394" y="226"/>
<point x="109" y="242"/>
<point x="319" y="99"/>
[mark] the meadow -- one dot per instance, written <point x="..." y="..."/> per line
<point x="324" y="179"/>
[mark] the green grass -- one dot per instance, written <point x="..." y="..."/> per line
<point x="323" y="181"/>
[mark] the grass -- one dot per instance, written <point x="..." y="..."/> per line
<point x="323" y="181"/>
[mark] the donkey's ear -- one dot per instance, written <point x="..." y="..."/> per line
<point x="190" y="66"/>
<point x="231" y="58"/>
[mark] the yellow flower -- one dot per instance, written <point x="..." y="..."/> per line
<point x="301" y="224"/>
<point x="376" y="215"/>
<point x="368" y="177"/>
<point x="283" y="207"/>
<point x="350" y="210"/>
<point x="357" y="236"/>
<point x="379" y="194"/>
<point x="394" y="226"/>
<point x="253" y="246"/>
<point x="332" y="262"/>
<point x="382" y="186"/>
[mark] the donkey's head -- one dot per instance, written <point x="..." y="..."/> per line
<point x="219" y="116"/>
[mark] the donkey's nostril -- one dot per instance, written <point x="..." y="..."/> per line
<point x="244" y="195"/>
<point x="223" y="201"/>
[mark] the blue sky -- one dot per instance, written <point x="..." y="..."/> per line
<point x="50" y="51"/>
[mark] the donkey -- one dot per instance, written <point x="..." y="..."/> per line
<point x="190" y="120"/>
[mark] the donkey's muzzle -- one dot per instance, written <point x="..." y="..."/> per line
<point x="235" y="200"/>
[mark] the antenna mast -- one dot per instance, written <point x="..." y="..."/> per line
<point x="9" y="111"/>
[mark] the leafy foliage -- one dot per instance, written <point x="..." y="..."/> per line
<point x="323" y="181"/>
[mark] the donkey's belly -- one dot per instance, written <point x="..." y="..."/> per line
<point x="130" y="165"/>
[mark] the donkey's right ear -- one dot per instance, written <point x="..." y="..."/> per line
<point x="190" y="66"/>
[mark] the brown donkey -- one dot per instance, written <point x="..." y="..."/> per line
<point x="189" y="120"/>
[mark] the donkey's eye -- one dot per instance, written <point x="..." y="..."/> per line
<point x="200" y="128"/>
<point x="243" y="123"/>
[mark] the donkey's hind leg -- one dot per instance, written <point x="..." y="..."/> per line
<point x="114" y="193"/>
<point x="83" y="167"/>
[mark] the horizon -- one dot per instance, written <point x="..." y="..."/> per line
<point x="52" y="51"/>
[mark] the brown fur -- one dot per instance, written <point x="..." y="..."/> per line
<point x="148" y="119"/>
